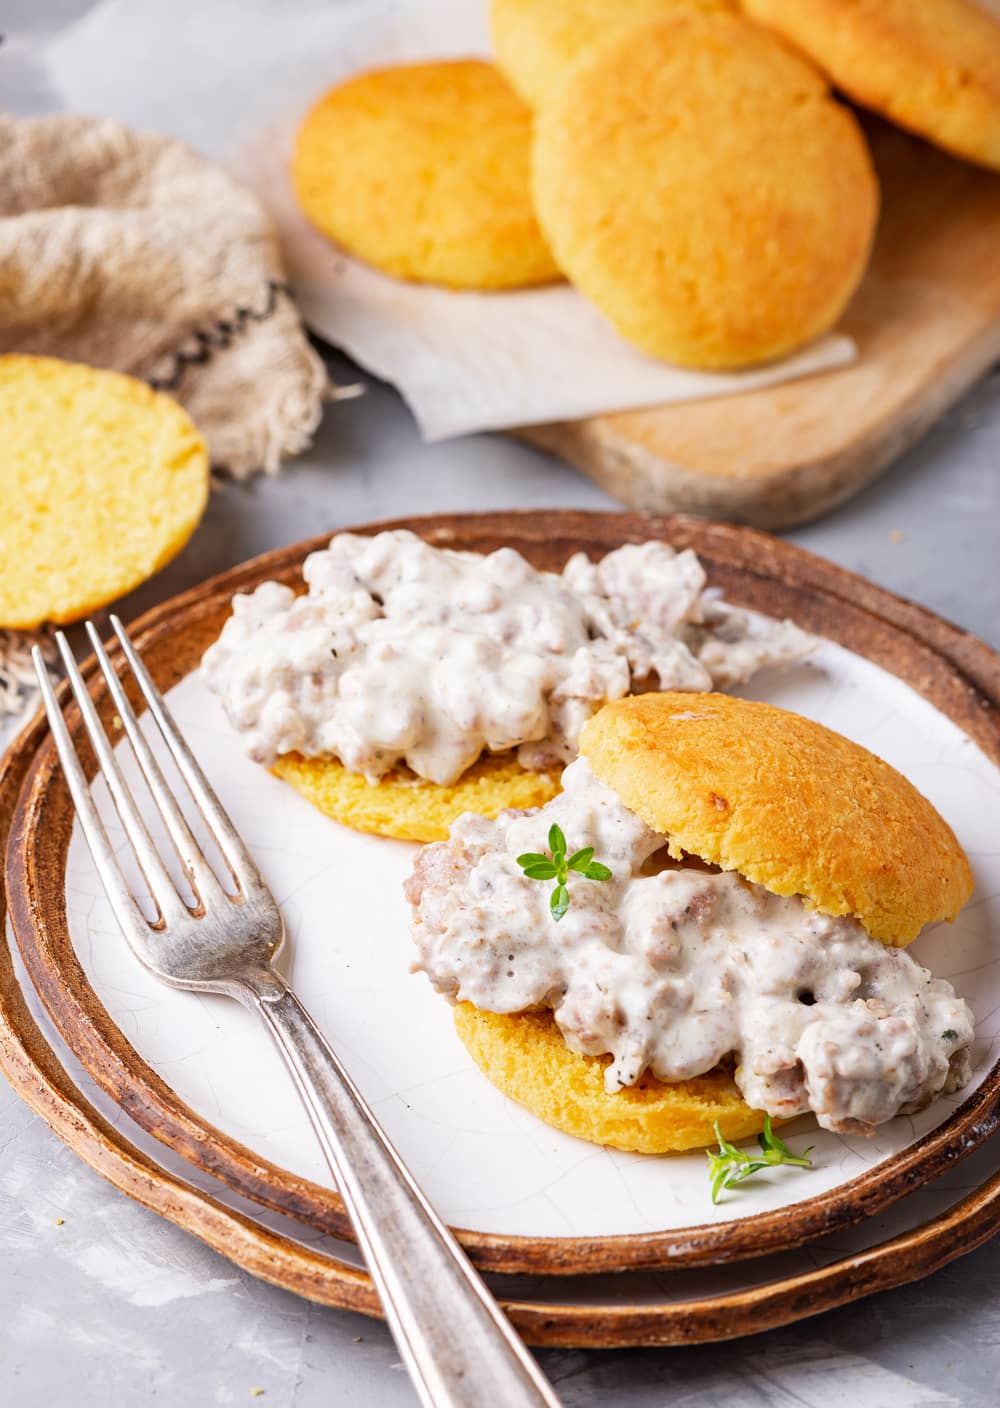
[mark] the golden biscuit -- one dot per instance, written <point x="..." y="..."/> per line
<point x="700" y="186"/>
<point x="536" y="41"/>
<point x="784" y="801"/>
<point x="930" y="65"/>
<point x="525" y="1057"/>
<point x="102" y="481"/>
<point x="408" y="807"/>
<point x="424" y="171"/>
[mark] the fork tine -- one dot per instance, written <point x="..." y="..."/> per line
<point x="200" y="874"/>
<point x="238" y="858"/>
<point x="127" y="912"/>
<point x="161" y="887"/>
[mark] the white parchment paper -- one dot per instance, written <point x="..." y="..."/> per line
<point x="233" y="79"/>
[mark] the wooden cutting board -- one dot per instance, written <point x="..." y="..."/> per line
<point x="927" y="323"/>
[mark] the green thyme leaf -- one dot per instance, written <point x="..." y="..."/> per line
<point x="731" y="1166"/>
<point x="949" y="1035"/>
<point x="719" y="1174"/>
<point x="776" y="1151"/>
<point x="557" y="867"/>
<point x="540" y="870"/>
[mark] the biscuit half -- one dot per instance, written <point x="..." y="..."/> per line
<point x="700" y="186"/>
<point x="102" y="481"/>
<point x="424" y="171"/>
<point x="409" y="808"/>
<point x="932" y="66"/>
<point x="790" y="804"/>
<point x="525" y="1056"/>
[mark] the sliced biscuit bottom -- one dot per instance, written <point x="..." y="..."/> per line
<point x="524" y="1056"/>
<point x="409" y="808"/>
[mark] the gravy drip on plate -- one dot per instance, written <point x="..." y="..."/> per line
<point x="670" y="968"/>
<point x="401" y="652"/>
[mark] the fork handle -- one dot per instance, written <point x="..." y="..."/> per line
<point x="459" y="1347"/>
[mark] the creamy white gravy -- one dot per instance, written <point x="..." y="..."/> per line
<point x="671" y="969"/>
<point x="401" y="652"/>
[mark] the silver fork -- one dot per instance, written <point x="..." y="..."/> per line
<point x="457" y="1344"/>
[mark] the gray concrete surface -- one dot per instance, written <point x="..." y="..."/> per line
<point x="115" y="1306"/>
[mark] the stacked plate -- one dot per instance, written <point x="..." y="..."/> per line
<point x="177" y="1098"/>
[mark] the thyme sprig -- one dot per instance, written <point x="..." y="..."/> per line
<point x="731" y="1166"/>
<point x="557" y="867"/>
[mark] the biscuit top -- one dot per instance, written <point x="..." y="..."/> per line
<point x="786" y="802"/>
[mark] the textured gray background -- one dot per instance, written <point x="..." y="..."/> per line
<point x="116" y="1306"/>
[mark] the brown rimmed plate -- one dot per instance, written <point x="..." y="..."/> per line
<point x="36" y="1071"/>
<point x="954" y="673"/>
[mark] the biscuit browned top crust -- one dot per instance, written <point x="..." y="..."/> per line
<point x="698" y="183"/>
<point x="932" y="66"/>
<point x="536" y="41"/>
<point x="786" y="802"/>
<point x="424" y="171"/>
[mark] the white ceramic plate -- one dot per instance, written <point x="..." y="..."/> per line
<point x="487" y="1164"/>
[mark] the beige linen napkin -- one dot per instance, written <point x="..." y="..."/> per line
<point x="129" y="251"/>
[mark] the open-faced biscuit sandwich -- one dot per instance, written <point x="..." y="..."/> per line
<point x="410" y="684"/>
<point x="707" y="925"/>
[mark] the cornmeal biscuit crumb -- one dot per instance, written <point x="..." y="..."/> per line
<point x="102" y="481"/>
<point x="525" y="1056"/>
<point x="409" y="808"/>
